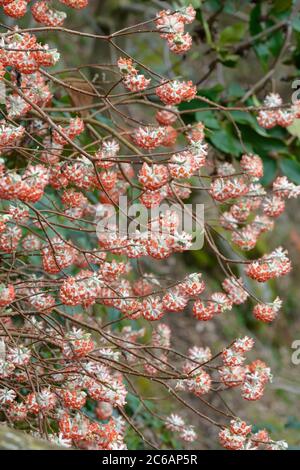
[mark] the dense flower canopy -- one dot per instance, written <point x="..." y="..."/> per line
<point x="65" y="370"/>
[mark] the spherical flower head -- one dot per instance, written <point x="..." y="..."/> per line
<point x="7" y="396"/>
<point x="149" y="137"/>
<point x="199" y="354"/>
<point x="7" y="294"/>
<point x="10" y="134"/>
<point x="107" y="152"/>
<point x="245" y="238"/>
<point x="267" y="312"/>
<point x="152" y="308"/>
<point x="175" y="423"/>
<point x="232" y="358"/>
<point x="45" y="400"/>
<point x="126" y="66"/>
<point x="252" y="165"/>
<point x="174" y="92"/>
<point x="174" y="301"/>
<point x="136" y="82"/>
<point x="277" y="445"/>
<point x="285" y="118"/>
<point x="196" y="134"/>
<point x="75" y="128"/>
<point x="252" y="389"/>
<point x="261" y="370"/>
<point x="200" y="384"/>
<point x="273" y="206"/>
<point x="19" y="356"/>
<point x="74" y="399"/>
<point x="43" y="14"/>
<point x="225" y="169"/>
<point x="193" y="284"/>
<point x="15" y="8"/>
<point x="154" y="176"/>
<point x="267" y="119"/>
<point x="17" y="412"/>
<point x="182" y="165"/>
<point x="270" y="266"/>
<point x="228" y="221"/>
<point x="170" y="137"/>
<point x="222" y="189"/>
<point x="6" y="368"/>
<point x="221" y="302"/>
<point x="203" y="312"/>
<point x="187" y="14"/>
<point x="262" y="223"/>
<point x="179" y="43"/>
<point x="79" y="344"/>
<point x="284" y="188"/>
<point x="230" y="440"/>
<point x="161" y="335"/>
<point x="181" y="241"/>
<point x="73" y="428"/>
<point x="77" y="4"/>
<point x="243" y="345"/>
<point x="167" y="116"/>
<point x="235" y="290"/>
<point x="239" y="427"/>
<point x="232" y="376"/>
<point x="188" y="434"/>
<point x="273" y="100"/>
<point x="260" y="438"/>
<point x="241" y="209"/>
<point x="169" y="23"/>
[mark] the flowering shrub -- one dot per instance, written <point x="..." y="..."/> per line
<point x="65" y="370"/>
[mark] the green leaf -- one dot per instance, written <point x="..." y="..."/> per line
<point x="205" y="26"/>
<point x="208" y="118"/>
<point x="291" y="169"/>
<point x="242" y="117"/>
<point x="232" y="34"/>
<point x="211" y="93"/>
<point x="281" y="6"/>
<point x="229" y="60"/>
<point x="223" y="140"/>
<point x="254" y="23"/>
<point x="294" y="128"/>
<point x="296" y="23"/>
<point x="276" y="42"/>
<point x="263" y="53"/>
<point x="261" y="145"/>
<point x="270" y="169"/>
<point x="235" y="90"/>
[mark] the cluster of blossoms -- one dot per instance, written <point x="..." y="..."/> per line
<point x="24" y="54"/>
<point x="239" y="436"/>
<point x="59" y="361"/>
<point x="171" y="27"/>
<point x="174" y="92"/>
<point x="249" y="199"/>
<point x="251" y="378"/>
<point x="62" y="399"/>
<point x="274" y="115"/>
<point x="40" y="10"/>
<point x="176" y="424"/>
<point x="26" y="187"/>
<point x="132" y="80"/>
